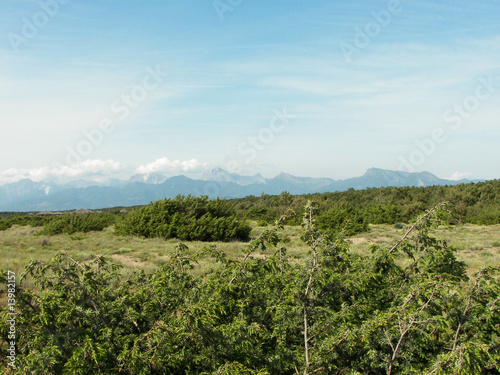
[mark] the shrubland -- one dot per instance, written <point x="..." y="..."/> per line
<point x="474" y="203"/>
<point x="73" y="223"/>
<point x="407" y="308"/>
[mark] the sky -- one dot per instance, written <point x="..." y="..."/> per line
<point x="105" y="88"/>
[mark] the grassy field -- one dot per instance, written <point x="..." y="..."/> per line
<point x="478" y="246"/>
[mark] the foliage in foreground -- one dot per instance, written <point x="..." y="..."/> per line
<point x="186" y="218"/>
<point x="408" y="309"/>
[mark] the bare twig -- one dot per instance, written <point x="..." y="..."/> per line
<point x="467" y="307"/>
<point x="314" y="244"/>
<point x="315" y="371"/>
<point x="412" y="228"/>
<point x="306" y="341"/>
<point x="254" y="246"/>
<point x="405" y="332"/>
<point x="74" y="261"/>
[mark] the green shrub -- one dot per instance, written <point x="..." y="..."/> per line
<point x="186" y="218"/>
<point x="4" y="224"/>
<point x="262" y="223"/>
<point x="72" y="223"/>
<point x="336" y="220"/>
<point x="483" y="214"/>
<point x="23" y="220"/>
<point x="262" y="213"/>
<point x="384" y="214"/>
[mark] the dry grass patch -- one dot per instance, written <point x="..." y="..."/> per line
<point x="478" y="246"/>
<point x="131" y="262"/>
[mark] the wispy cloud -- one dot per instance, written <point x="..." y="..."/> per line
<point x="91" y="169"/>
<point x="459" y="176"/>
<point x="166" y="165"/>
<point x="100" y="170"/>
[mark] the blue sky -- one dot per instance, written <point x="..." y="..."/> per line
<point x="98" y="89"/>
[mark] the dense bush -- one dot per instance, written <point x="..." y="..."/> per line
<point x="483" y="214"/>
<point x="186" y="218"/>
<point x="335" y="220"/>
<point x="22" y="220"/>
<point x="407" y="309"/>
<point x="262" y="213"/>
<point x="72" y="223"/>
<point x="383" y="214"/>
<point x="4" y="224"/>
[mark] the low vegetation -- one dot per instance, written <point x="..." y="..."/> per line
<point x="375" y="281"/>
<point x="406" y="308"/>
<point x="186" y="218"/>
<point x="73" y="223"/>
<point x="22" y="220"/>
<point x="477" y="203"/>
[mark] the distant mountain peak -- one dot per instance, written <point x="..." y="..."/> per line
<point x="149" y="178"/>
<point x="221" y="175"/>
<point x="380" y="171"/>
<point x="27" y="195"/>
<point x="285" y="175"/>
<point x="377" y="177"/>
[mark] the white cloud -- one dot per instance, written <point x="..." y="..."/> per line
<point x="459" y="176"/>
<point x="97" y="170"/>
<point x="90" y="168"/>
<point x="166" y="165"/>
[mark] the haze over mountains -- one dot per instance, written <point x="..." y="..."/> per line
<point x="27" y="195"/>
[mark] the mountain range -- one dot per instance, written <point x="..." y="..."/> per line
<point x="27" y="195"/>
